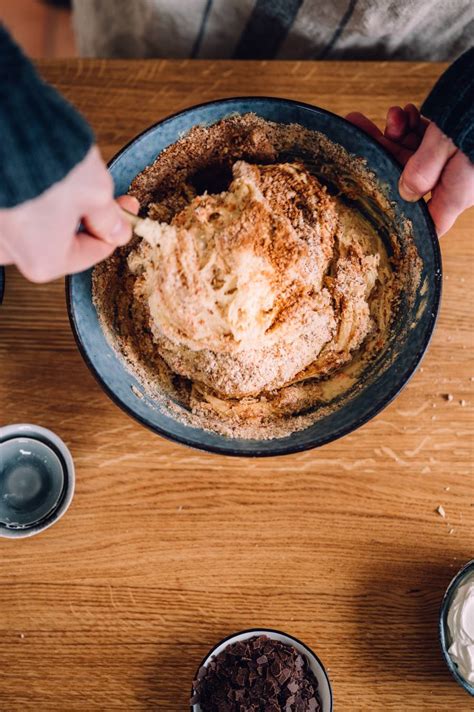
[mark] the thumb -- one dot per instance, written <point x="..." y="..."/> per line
<point x="107" y="223"/>
<point x="423" y="170"/>
<point x="454" y="193"/>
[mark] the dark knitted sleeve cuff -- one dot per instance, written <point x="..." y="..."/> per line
<point x="42" y="137"/>
<point x="451" y="103"/>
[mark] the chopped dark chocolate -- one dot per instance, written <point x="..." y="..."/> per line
<point x="257" y="675"/>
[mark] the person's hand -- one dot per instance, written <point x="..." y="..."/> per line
<point x="40" y="236"/>
<point x="431" y="161"/>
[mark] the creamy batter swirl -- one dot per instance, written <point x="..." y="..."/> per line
<point x="258" y="286"/>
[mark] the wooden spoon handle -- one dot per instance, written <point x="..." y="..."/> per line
<point x="133" y="219"/>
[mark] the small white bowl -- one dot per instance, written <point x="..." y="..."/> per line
<point x="324" y="686"/>
<point x="51" y="450"/>
<point x="444" y="634"/>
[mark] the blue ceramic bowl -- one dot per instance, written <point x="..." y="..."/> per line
<point x="118" y="382"/>
<point x="444" y="636"/>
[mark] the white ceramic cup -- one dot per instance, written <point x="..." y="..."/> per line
<point x="324" y="686"/>
<point x="54" y="451"/>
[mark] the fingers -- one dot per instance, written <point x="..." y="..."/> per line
<point x="396" y="123"/>
<point x="405" y="126"/>
<point x="358" y="119"/>
<point x="399" y="152"/>
<point x="411" y="141"/>
<point x="93" y="186"/>
<point x="416" y="122"/>
<point x="86" y="251"/>
<point x="425" y="166"/>
<point x="453" y="194"/>
<point x="129" y="203"/>
<point x="106" y="223"/>
<point x="432" y="162"/>
<point x="413" y="117"/>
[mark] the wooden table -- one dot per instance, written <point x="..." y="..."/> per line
<point x="165" y="550"/>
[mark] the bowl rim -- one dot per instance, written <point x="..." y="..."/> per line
<point x="453" y="586"/>
<point x="265" y="449"/>
<point x="263" y="631"/>
<point x="61" y="450"/>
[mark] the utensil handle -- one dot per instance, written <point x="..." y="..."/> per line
<point x="133" y="219"/>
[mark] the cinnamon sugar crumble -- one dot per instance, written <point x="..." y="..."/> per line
<point x="267" y="296"/>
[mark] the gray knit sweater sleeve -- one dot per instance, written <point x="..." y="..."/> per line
<point x="42" y="137"/>
<point x="450" y="104"/>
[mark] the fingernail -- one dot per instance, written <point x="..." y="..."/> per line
<point x="406" y="193"/>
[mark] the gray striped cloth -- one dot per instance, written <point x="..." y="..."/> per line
<point x="275" y="29"/>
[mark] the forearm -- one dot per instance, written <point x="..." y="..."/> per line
<point x="450" y="103"/>
<point x="42" y="136"/>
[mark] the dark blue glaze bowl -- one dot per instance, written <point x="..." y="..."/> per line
<point x="110" y="369"/>
<point x="444" y="635"/>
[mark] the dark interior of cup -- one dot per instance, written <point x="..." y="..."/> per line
<point x="36" y="482"/>
<point x="32" y="482"/>
<point x="412" y="326"/>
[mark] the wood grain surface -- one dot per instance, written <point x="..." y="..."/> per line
<point x="166" y="550"/>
